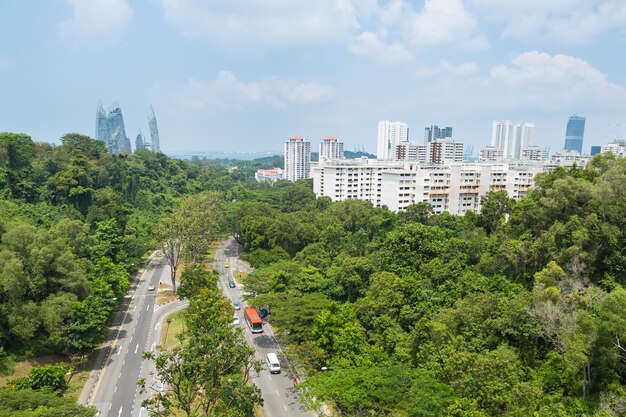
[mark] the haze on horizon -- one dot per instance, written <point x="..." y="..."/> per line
<point x="232" y="75"/>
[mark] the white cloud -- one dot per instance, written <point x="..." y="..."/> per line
<point x="565" y="21"/>
<point x="445" y="21"/>
<point x="371" y="44"/>
<point x="228" y="92"/>
<point x="96" y="18"/>
<point x="262" y="21"/>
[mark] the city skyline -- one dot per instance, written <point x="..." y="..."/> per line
<point x="460" y="63"/>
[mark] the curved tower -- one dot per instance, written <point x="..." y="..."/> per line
<point x="154" y="131"/>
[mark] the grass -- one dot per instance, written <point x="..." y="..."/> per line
<point x="239" y="275"/>
<point x="173" y="325"/>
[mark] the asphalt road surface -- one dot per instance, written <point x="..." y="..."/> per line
<point x="279" y="393"/>
<point x="116" y="393"/>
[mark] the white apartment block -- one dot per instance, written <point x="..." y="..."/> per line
<point x="617" y="147"/>
<point x="502" y="136"/>
<point x="297" y="158"/>
<point x="390" y="134"/>
<point x="566" y="159"/>
<point x="456" y="188"/>
<point x="523" y="139"/>
<point x="273" y="174"/>
<point x="534" y="153"/>
<point x="331" y="148"/>
<point x="490" y="154"/>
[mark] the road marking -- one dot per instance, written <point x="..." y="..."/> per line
<point x="156" y="327"/>
<point x="115" y="390"/>
<point x="269" y="376"/>
<point x="137" y="348"/>
<point x="152" y="348"/>
<point x="147" y="307"/>
<point x="285" y="407"/>
<point x="134" y="308"/>
<point x="120" y="413"/>
<point x="277" y="393"/>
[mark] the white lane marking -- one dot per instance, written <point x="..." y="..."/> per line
<point x="156" y="327"/>
<point x="269" y="376"/>
<point x="285" y="407"/>
<point x="277" y="393"/>
<point x="115" y="390"/>
<point x="134" y="308"/>
<point x="120" y="413"/>
<point x="152" y="348"/>
<point x="137" y="348"/>
<point x="147" y="307"/>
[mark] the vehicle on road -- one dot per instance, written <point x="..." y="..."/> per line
<point x="226" y="265"/>
<point x="235" y="319"/>
<point x="273" y="365"/>
<point x="236" y="305"/>
<point x="151" y="287"/>
<point x="231" y="284"/>
<point x="251" y="316"/>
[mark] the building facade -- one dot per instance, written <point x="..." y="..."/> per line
<point x="502" y="136"/>
<point x="297" y="158"/>
<point x="331" y="148"/>
<point x="574" y="134"/>
<point x="455" y="188"/>
<point x="434" y="133"/>
<point x="110" y="128"/>
<point x="390" y="134"/>
<point x="273" y="174"/>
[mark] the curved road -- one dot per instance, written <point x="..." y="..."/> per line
<point x="280" y="397"/>
<point x="116" y="393"/>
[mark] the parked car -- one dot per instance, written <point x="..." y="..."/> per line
<point x="235" y="319"/>
<point x="226" y="265"/>
<point x="151" y="287"/>
<point x="232" y="284"/>
<point x="236" y="305"/>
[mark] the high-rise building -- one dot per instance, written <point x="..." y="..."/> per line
<point x="574" y="134"/>
<point x="502" y="136"/>
<point x="154" y="131"/>
<point x="523" y="139"/>
<point x="331" y="148"/>
<point x="434" y="133"/>
<point x="110" y="128"/>
<point x="297" y="158"/>
<point x="140" y="142"/>
<point x="390" y="134"/>
<point x="443" y="151"/>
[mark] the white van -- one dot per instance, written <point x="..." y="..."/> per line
<point x="272" y="363"/>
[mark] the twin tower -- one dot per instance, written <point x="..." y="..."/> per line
<point x="110" y="129"/>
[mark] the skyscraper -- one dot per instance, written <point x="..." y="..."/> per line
<point x="110" y="128"/>
<point x="140" y="141"/>
<point x="434" y="132"/>
<point x="331" y="148"/>
<point x="390" y="134"/>
<point x="154" y="131"/>
<point x="297" y="158"/>
<point x="574" y="134"/>
<point x="502" y="136"/>
<point x="523" y="139"/>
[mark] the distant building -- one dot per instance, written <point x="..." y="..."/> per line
<point x="617" y="147"/>
<point x="154" y="131"/>
<point x="434" y="133"/>
<point x="273" y="174"/>
<point x="502" y="136"/>
<point x="297" y="158"/>
<point x="490" y="154"/>
<point x="534" y="153"/>
<point x="110" y="128"/>
<point x="566" y="159"/>
<point x="410" y="151"/>
<point x="331" y="148"/>
<point x="140" y="141"/>
<point x="445" y="151"/>
<point x="390" y="134"/>
<point x="596" y="150"/>
<point x="523" y="139"/>
<point x="574" y="134"/>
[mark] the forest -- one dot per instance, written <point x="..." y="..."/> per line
<point x="516" y="311"/>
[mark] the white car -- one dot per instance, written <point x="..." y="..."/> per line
<point x="151" y="287"/>
<point x="235" y="319"/>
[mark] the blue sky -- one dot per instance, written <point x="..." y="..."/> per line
<point x="244" y="75"/>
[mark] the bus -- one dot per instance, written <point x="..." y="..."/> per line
<point x="253" y="320"/>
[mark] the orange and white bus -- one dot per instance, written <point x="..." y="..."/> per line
<point x="252" y="318"/>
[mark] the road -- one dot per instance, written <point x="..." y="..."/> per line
<point x="279" y="394"/>
<point x="116" y="393"/>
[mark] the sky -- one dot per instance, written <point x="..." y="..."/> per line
<point x="245" y="75"/>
